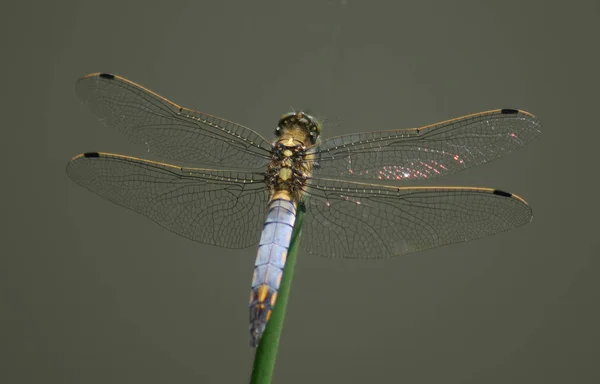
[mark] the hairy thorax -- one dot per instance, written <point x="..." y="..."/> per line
<point x="290" y="166"/>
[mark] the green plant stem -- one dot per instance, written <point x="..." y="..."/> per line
<point x="266" y="353"/>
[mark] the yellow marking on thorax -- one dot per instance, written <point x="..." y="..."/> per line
<point x="285" y="174"/>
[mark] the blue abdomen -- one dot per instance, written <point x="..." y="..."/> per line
<point x="270" y="260"/>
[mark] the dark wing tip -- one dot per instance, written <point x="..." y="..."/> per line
<point x="107" y="76"/>
<point x="502" y="193"/>
<point x="508" y="111"/>
<point x="91" y="154"/>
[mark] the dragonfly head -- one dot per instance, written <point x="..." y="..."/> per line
<point x="299" y="120"/>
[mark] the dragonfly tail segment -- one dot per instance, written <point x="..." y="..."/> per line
<point x="270" y="261"/>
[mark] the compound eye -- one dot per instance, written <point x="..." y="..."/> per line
<point x="285" y="117"/>
<point x="315" y="126"/>
<point x="317" y="129"/>
<point x="278" y="131"/>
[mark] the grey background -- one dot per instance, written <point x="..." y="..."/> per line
<point x="93" y="293"/>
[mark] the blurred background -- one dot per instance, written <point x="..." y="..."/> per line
<point x="93" y="293"/>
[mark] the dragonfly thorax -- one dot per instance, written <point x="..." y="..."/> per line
<point x="289" y="168"/>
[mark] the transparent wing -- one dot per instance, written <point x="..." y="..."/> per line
<point x="355" y="220"/>
<point x="434" y="150"/>
<point x="168" y="130"/>
<point x="224" y="208"/>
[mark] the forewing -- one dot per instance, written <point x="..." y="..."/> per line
<point x="365" y="221"/>
<point x="431" y="151"/>
<point x="224" y="208"/>
<point x="168" y="130"/>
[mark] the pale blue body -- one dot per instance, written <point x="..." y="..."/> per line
<point x="270" y="261"/>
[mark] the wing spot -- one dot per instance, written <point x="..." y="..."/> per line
<point x="502" y="193"/>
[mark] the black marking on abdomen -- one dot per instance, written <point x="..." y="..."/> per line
<point x="502" y="193"/>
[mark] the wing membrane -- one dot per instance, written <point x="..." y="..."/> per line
<point x="355" y="220"/>
<point x="168" y="130"/>
<point x="224" y="208"/>
<point x="427" y="152"/>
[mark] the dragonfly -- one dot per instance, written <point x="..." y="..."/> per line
<point x="228" y="186"/>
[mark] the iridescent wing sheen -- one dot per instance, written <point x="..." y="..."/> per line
<point x="430" y="151"/>
<point x="224" y="208"/>
<point x="356" y="220"/>
<point x="168" y="130"/>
